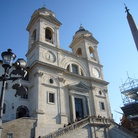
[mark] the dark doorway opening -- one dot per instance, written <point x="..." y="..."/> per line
<point x="22" y="111"/>
<point x="79" y="108"/>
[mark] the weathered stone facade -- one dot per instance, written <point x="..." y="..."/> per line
<point x="63" y="86"/>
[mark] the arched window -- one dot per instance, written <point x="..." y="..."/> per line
<point x="34" y="36"/>
<point x="91" y="52"/>
<point x="49" y="35"/>
<point x="75" y="69"/>
<point x="68" y="68"/>
<point x="79" y="52"/>
<point x="82" y="73"/>
<point x="22" y="111"/>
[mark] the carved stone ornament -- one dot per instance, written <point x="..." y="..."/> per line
<point x="61" y="79"/>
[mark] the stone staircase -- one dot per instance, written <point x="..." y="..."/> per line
<point x="78" y="125"/>
<point x="19" y="128"/>
<point x="88" y="127"/>
<point x="80" y="129"/>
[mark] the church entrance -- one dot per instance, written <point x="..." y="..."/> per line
<point x="79" y="108"/>
<point x="22" y="111"/>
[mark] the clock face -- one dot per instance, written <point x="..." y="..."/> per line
<point x="50" y="56"/>
<point x="96" y="72"/>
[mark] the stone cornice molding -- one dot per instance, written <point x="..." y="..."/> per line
<point x="61" y="51"/>
<point x="65" y="72"/>
<point x="95" y="63"/>
<point x="38" y="112"/>
<point x="103" y="82"/>
<point x="76" y="42"/>
<point x="40" y="74"/>
<point x="50" y="85"/>
<point x="79" y="87"/>
<point x="103" y="97"/>
<point x="82" y="38"/>
<point x="40" y="16"/>
<point x="78" y="93"/>
<point x="36" y="62"/>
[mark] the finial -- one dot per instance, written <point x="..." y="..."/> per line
<point x="44" y="4"/>
<point x="81" y="27"/>
<point x="127" y="10"/>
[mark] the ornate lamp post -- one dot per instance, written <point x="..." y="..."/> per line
<point x="8" y="58"/>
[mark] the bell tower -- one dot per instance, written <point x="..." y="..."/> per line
<point x="43" y="31"/>
<point x="43" y="50"/>
<point x="84" y="45"/>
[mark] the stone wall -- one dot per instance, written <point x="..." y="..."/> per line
<point x="20" y="128"/>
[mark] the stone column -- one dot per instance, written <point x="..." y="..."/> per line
<point x="88" y="106"/>
<point x="57" y="37"/>
<point x="62" y="94"/>
<point x="79" y="70"/>
<point x="73" y="108"/>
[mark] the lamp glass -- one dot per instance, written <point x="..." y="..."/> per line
<point x="8" y="58"/>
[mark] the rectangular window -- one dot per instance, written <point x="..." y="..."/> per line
<point x="51" y="97"/>
<point x="9" y="135"/>
<point x="102" y="106"/>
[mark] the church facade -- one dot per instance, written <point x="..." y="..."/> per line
<point x="63" y="87"/>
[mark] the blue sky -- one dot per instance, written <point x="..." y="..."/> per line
<point x="106" y="20"/>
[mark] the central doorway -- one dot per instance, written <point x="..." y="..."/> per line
<point x="79" y="108"/>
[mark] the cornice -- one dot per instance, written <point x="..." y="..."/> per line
<point x="48" y="18"/>
<point x="95" y="63"/>
<point x="31" y="49"/>
<point x="82" y="38"/>
<point x="65" y="72"/>
<point x="92" y="79"/>
<point x="52" y="86"/>
<point x="76" y="41"/>
<point x="62" y="51"/>
<point x="53" y="48"/>
<point x="36" y="62"/>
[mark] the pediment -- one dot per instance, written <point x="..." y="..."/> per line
<point x="81" y="38"/>
<point x="79" y="87"/>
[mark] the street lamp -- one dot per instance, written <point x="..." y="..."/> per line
<point x="8" y="58"/>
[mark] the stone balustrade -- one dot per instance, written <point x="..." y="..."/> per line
<point x="89" y="120"/>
